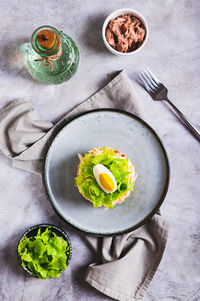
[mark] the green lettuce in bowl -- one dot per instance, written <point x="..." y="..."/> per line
<point x="87" y="184"/>
<point x="45" y="251"/>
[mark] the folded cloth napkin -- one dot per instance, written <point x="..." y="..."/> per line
<point x="127" y="262"/>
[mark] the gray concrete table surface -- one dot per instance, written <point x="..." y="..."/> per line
<point x="173" y="54"/>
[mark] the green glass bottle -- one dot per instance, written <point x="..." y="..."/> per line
<point x="52" y="57"/>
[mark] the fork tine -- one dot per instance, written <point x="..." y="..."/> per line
<point x="148" y="76"/>
<point x="156" y="81"/>
<point x="147" y="87"/>
<point x="148" y="81"/>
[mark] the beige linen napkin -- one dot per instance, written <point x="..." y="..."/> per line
<point x="128" y="262"/>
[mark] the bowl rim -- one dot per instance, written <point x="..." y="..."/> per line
<point x="46" y="225"/>
<point x="118" y="12"/>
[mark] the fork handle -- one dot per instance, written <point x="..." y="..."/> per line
<point x="190" y="126"/>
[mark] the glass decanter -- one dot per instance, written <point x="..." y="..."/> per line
<point x="52" y="57"/>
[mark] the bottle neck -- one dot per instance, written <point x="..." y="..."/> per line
<point x="46" y="41"/>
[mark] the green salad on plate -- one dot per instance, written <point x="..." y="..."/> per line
<point x="92" y="187"/>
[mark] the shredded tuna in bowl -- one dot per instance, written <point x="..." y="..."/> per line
<point x="124" y="31"/>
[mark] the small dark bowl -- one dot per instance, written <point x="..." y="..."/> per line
<point x="33" y="231"/>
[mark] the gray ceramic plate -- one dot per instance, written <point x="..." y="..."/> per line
<point x="133" y="137"/>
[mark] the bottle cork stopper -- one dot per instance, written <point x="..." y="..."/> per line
<point x="46" y="38"/>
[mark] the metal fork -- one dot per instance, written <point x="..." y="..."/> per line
<point x="159" y="92"/>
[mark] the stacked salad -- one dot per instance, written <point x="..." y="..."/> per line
<point x="88" y="186"/>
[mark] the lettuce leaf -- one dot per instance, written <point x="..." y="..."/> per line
<point x="88" y="186"/>
<point x="45" y="254"/>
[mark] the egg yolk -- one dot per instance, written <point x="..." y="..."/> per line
<point x="107" y="182"/>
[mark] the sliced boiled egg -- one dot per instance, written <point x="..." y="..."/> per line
<point x="104" y="178"/>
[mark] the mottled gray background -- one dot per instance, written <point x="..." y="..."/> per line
<point x="173" y="54"/>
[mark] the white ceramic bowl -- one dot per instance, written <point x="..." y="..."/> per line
<point x="116" y="14"/>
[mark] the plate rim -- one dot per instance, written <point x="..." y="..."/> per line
<point x="164" y="190"/>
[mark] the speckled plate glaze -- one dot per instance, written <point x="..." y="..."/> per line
<point x="133" y="137"/>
